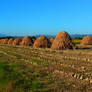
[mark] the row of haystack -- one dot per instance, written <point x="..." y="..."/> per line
<point x="26" y="41"/>
<point x="62" y="41"/>
<point x="4" y="41"/>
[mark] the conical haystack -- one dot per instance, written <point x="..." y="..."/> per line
<point x="41" y="42"/>
<point x="4" y="41"/>
<point x="0" y="41"/>
<point x="27" y="41"/>
<point x="10" y="41"/>
<point x="86" y="40"/>
<point x="17" y="41"/>
<point x="62" y="41"/>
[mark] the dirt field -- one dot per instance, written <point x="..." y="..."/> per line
<point x="25" y="69"/>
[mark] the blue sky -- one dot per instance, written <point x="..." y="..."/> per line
<point x="31" y="17"/>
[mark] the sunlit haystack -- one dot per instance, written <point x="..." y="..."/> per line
<point x="86" y="40"/>
<point x="4" y="41"/>
<point x="27" y="41"/>
<point x="10" y="41"/>
<point x="41" y="42"/>
<point x="62" y="41"/>
<point x="17" y="41"/>
<point x="0" y="41"/>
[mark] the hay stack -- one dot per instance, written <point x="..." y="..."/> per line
<point x="17" y="41"/>
<point x="4" y="41"/>
<point x="10" y="41"/>
<point x="62" y="41"/>
<point x="86" y="40"/>
<point x="41" y="42"/>
<point x="27" y="41"/>
<point x="0" y="41"/>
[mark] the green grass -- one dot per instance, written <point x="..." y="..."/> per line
<point x="20" y="77"/>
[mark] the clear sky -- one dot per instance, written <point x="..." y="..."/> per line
<point x="30" y="17"/>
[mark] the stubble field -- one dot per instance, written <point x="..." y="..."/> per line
<point x="25" y="69"/>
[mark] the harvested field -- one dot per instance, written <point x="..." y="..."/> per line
<point x="28" y="69"/>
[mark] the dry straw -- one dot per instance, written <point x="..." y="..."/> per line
<point x="86" y="40"/>
<point x="4" y="41"/>
<point x="0" y="41"/>
<point x="41" y="42"/>
<point x="17" y="41"/>
<point x="62" y="42"/>
<point x="27" y="41"/>
<point x="10" y="41"/>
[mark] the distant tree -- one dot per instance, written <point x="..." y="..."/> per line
<point x="77" y="38"/>
<point x="8" y="37"/>
<point x="33" y="37"/>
